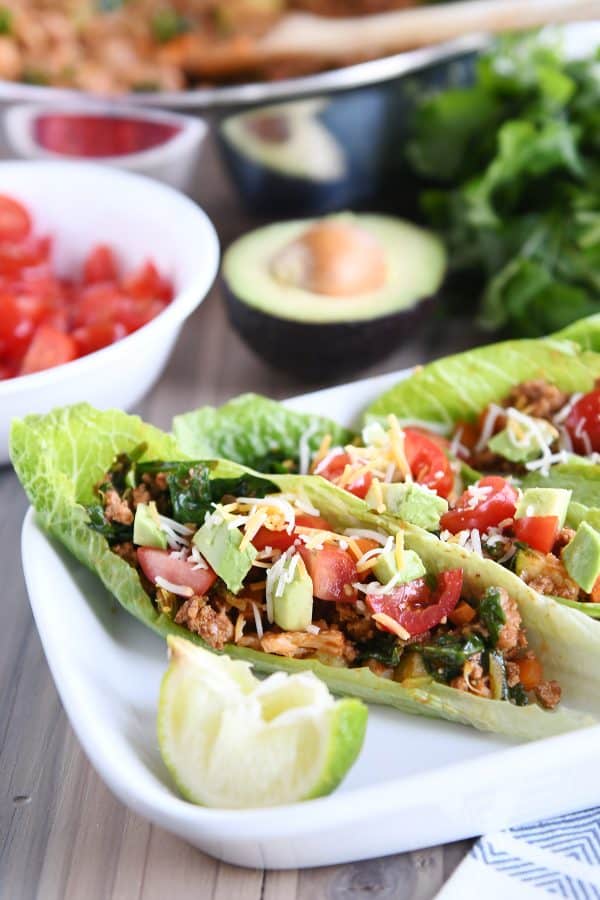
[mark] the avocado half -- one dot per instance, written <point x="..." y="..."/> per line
<point x="285" y="159"/>
<point x="314" y="334"/>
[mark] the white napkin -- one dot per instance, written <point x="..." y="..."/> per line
<point x="559" y="857"/>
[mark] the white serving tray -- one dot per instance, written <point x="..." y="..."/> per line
<point x="417" y="782"/>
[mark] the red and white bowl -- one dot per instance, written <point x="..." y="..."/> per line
<point x="81" y="204"/>
<point x="162" y="145"/>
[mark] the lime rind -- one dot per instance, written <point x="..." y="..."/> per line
<point x="232" y="741"/>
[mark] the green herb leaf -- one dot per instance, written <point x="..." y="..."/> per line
<point x="492" y="614"/>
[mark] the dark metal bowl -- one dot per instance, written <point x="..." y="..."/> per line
<point x="362" y="110"/>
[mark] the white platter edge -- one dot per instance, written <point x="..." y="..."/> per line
<point x="494" y="785"/>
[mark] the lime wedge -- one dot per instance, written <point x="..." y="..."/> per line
<point x="232" y="741"/>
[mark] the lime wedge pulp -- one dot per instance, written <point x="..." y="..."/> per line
<point x="232" y="741"/>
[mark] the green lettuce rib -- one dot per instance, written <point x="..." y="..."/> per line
<point x="461" y="386"/>
<point x="254" y="431"/>
<point x="585" y="332"/>
<point x="60" y="456"/>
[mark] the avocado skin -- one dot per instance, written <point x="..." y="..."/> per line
<point x="314" y="350"/>
<point x="269" y="193"/>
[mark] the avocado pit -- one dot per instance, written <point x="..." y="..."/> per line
<point x="338" y="259"/>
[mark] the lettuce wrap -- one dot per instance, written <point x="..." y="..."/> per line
<point x="460" y="387"/>
<point x="256" y="432"/>
<point x="466" y="391"/>
<point x="61" y="456"/>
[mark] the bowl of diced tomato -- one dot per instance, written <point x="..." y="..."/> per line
<point x="99" y="269"/>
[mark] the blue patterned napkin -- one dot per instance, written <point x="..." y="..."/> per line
<point x="559" y="857"/>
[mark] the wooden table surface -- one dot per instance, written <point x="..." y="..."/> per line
<point x="63" y="836"/>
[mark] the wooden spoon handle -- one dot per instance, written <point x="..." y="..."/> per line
<point x="306" y="35"/>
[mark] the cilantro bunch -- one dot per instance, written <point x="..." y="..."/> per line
<point x="513" y="168"/>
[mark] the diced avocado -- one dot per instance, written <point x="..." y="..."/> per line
<point x="520" y="444"/>
<point x="220" y="546"/>
<point x="146" y="527"/>
<point x="582" y="557"/>
<point x="409" y="501"/>
<point x="544" y="502"/>
<point x="292" y="611"/>
<point x="386" y="567"/>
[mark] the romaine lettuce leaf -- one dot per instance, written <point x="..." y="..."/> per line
<point x="254" y="431"/>
<point x="60" y="456"/>
<point x="461" y="386"/>
<point x="585" y="332"/>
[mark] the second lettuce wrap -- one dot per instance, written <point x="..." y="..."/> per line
<point x="61" y="456"/>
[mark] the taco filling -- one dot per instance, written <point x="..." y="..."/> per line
<point x="535" y="426"/>
<point x="263" y="569"/>
<point x="423" y="479"/>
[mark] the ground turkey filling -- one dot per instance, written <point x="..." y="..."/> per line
<point x="480" y="648"/>
<point x="537" y="399"/>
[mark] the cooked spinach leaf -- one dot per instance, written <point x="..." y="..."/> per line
<point x="492" y="614"/>
<point x="446" y="656"/>
<point x="384" y="648"/>
<point x="114" y="532"/>
<point x="192" y="490"/>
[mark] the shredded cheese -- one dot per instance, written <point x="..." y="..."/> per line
<point x="257" y="621"/>
<point x="399" y="549"/>
<point x="388" y="624"/>
<point x="368" y="534"/>
<point x="322" y="451"/>
<point x="397" y="442"/>
<point x="181" y="590"/>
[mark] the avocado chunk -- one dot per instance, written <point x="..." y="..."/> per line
<point x="409" y="501"/>
<point x="146" y="527"/>
<point x="386" y="567"/>
<point x="519" y="443"/>
<point x="293" y="608"/>
<point x="331" y="294"/>
<point x="582" y="557"/>
<point x="544" y="502"/>
<point x="220" y="546"/>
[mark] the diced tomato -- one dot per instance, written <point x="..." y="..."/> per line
<point x="46" y="319"/>
<point x="15" y="221"/>
<point x="160" y="564"/>
<point x="335" y="463"/>
<point x="100" y="265"/>
<point x="16" y="330"/>
<point x="96" y="303"/>
<point x="595" y="595"/>
<point x="333" y="572"/>
<point x="584" y="421"/>
<point x="48" y="348"/>
<point x="360" y="486"/>
<point x="90" y="338"/>
<point x="530" y="673"/>
<point x="14" y="257"/>
<point x="146" y="283"/>
<point x="539" y="532"/>
<point x="428" y="463"/>
<point x="281" y="540"/>
<point x="498" y="503"/>
<point x="415" y="607"/>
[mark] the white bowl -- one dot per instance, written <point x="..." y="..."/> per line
<point x="82" y="204"/>
<point x="174" y="161"/>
